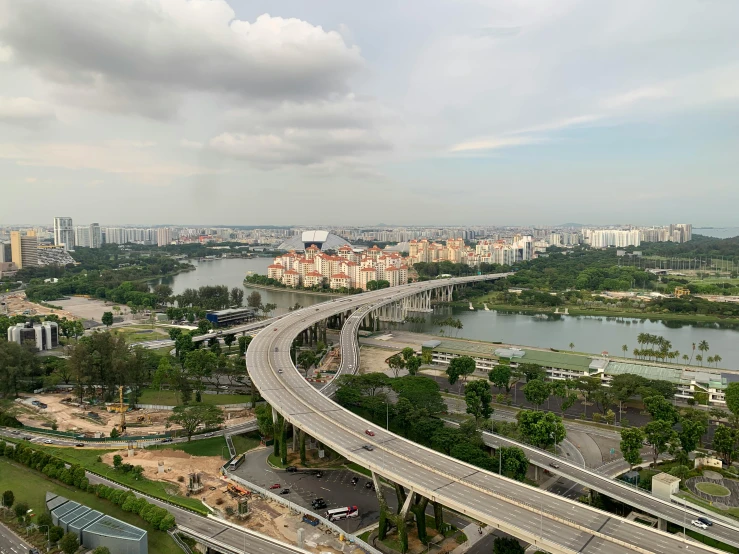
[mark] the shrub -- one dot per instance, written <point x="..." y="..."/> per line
<point x="229" y="511"/>
<point x="167" y="522"/>
<point x="219" y="501"/>
<point x="55" y="533"/>
<point x="181" y="479"/>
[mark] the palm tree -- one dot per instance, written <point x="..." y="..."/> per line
<point x="717" y="359"/>
<point x="691" y="354"/>
<point x="625" y="349"/>
<point x="703" y="346"/>
<point x="635" y="352"/>
<point x="709" y="360"/>
<point x="572" y="346"/>
<point x="685" y="358"/>
<point x="699" y="358"/>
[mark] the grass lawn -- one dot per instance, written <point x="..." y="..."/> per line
<point x="172" y="398"/>
<point x="88" y="459"/>
<point x="140" y="334"/>
<point x="713" y="489"/>
<point x="275" y="460"/>
<point x="203" y="447"/>
<point x="732" y="512"/>
<point x="359" y="469"/>
<point x="30" y="486"/>
<point x="245" y="442"/>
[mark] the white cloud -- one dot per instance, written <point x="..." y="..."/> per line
<point x="140" y="56"/>
<point x="24" y="111"/>
<point x="496" y="143"/>
<point x="191" y="144"/>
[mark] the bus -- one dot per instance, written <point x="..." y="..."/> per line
<point x="236" y="461"/>
<point x="342" y="513"/>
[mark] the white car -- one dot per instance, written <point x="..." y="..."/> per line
<point x="48" y="441"/>
<point x="699" y="524"/>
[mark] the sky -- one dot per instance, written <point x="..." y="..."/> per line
<point x="458" y="112"/>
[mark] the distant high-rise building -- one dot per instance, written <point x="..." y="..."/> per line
<point x="82" y="236"/>
<point x="24" y="249"/>
<point x="6" y="254"/>
<point x="96" y="236"/>
<point x="164" y="236"/>
<point x="116" y="235"/>
<point x="64" y="232"/>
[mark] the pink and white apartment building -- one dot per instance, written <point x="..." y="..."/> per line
<point x="347" y="269"/>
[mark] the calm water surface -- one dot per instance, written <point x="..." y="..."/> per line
<point x="589" y="333"/>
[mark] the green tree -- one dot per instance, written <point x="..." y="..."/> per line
<point x="407" y="353"/>
<point x="690" y="433"/>
<point x="69" y="543"/>
<point x="515" y="463"/>
<point x="228" y="340"/>
<point x="572" y="346"/>
<point x="732" y="398"/>
<point x="500" y="376"/>
<point x="478" y="398"/>
<point x="55" y="534"/>
<point x="254" y="300"/>
<point x="190" y="417"/>
<point x="101" y="550"/>
<point x="114" y="433"/>
<point x="200" y="365"/>
<point x="661" y="437"/>
<point x="396" y="363"/>
<point x="244" y="342"/>
<point x="8" y="498"/>
<point x="661" y="409"/>
<point x="413" y="364"/>
<point x="631" y="445"/>
<point x="21" y="509"/>
<point x="461" y="366"/>
<point x="507" y="545"/>
<point x="107" y="319"/>
<point x="532" y="372"/>
<point x="537" y="392"/>
<point x="725" y="442"/>
<point x="541" y="429"/>
<point x="117" y="461"/>
<point x="306" y="359"/>
<point x="265" y="420"/>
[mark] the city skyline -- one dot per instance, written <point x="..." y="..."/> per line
<point x="459" y="113"/>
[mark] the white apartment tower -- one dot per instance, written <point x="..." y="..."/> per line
<point x="64" y="232"/>
<point x="164" y="236"/>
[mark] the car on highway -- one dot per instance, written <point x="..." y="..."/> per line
<point x="698" y="523"/>
<point x="555" y="465"/>
<point x="275" y="486"/>
<point x="368" y="447"/>
<point x="80" y="444"/>
<point x="285" y="491"/>
<point x="209" y="434"/>
<point x="369" y="432"/>
<point x="48" y="441"/>
<point x="168" y="439"/>
<point x="279" y="371"/>
<point x="705" y="520"/>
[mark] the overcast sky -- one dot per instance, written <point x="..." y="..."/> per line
<point x="252" y="112"/>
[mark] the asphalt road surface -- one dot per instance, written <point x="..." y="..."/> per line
<point x="523" y="511"/>
<point x="10" y="543"/>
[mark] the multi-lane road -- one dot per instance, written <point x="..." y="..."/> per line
<point x="540" y="518"/>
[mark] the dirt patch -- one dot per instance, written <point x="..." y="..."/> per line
<point x="18" y="304"/>
<point x="70" y="416"/>
<point x="372" y="360"/>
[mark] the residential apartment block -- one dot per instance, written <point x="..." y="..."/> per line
<point x="501" y="251"/>
<point x="346" y="270"/>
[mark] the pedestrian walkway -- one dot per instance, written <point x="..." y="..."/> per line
<point x="474" y="533"/>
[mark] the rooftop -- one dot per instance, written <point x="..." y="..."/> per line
<point x="665" y="478"/>
<point x="112" y="527"/>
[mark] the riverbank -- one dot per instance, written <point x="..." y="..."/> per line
<point x="295" y="291"/>
<point x="574" y="310"/>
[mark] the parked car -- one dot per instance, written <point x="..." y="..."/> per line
<point x="705" y="520"/>
<point x="285" y="491"/>
<point x="275" y="486"/>
<point x="319" y="474"/>
<point x="291" y="469"/>
<point x="370" y="433"/>
<point x="80" y="444"/>
<point x="698" y="523"/>
<point x="208" y="434"/>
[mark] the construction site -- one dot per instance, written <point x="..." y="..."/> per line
<point x="99" y="420"/>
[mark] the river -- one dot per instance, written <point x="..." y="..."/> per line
<point x="589" y="333"/>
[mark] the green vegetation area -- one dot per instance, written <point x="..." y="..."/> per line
<point x="214" y="446"/>
<point x="713" y="489"/>
<point x="245" y="442"/>
<point x="140" y="334"/>
<point x="358" y="469"/>
<point x="30" y="486"/>
<point x="173" y="398"/>
<point x="733" y="512"/>
<point x="87" y="458"/>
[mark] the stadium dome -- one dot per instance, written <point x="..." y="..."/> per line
<point x="322" y="239"/>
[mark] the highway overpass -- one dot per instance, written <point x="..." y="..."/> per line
<point x="553" y="523"/>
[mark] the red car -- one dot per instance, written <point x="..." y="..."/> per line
<point x="370" y="433"/>
<point x="275" y="486"/>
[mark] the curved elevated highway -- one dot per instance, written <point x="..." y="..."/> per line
<point x="555" y="524"/>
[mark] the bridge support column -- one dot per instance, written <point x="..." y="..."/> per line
<point x="302" y="446"/>
<point x="662" y="524"/>
<point x="410" y="505"/>
<point x="438" y="516"/>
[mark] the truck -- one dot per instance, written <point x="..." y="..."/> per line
<point x="311" y="520"/>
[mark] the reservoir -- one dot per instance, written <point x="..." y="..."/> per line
<point x="594" y="334"/>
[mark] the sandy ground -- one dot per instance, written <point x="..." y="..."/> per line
<point x="265" y="516"/>
<point x="17" y="304"/>
<point x="372" y="360"/>
<point x="71" y="417"/>
<point x="91" y="308"/>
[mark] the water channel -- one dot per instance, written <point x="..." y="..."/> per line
<point x="594" y="334"/>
